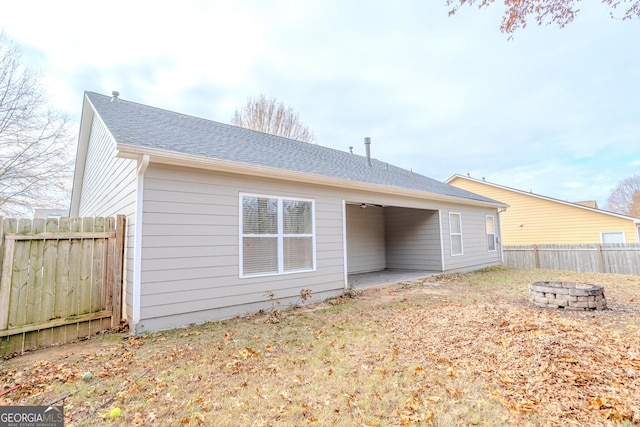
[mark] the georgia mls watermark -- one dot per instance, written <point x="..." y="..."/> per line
<point x="31" y="416"/>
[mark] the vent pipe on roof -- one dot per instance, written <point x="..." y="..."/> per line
<point x="367" y="145"/>
<point x="351" y="149"/>
<point x="114" y="96"/>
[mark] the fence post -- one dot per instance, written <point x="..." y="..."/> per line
<point x="4" y="299"/>
<point x="601" y="259"/>
<point x="536" y="256"/>
<point x="5" y="278"/>
<point x="116" y="315"/>
<point x="1" y="244"/>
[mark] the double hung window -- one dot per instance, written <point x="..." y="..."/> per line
<point x="277" y="235"/>
<point x="491" y="233"/>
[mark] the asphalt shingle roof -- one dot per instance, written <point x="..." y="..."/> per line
<point x="146" y="126"/>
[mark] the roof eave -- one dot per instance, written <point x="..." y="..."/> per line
<point x="186" y="160"/>
<point x="86" y="119"/>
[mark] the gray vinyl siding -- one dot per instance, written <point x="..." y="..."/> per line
<point x="109" y="189"/>
<point x="365" y="239"/>
<point x="474" y="239"/>
<point x="190" y="245"/>
<point x="190" y="248"/>
<point x="412" y="239"/>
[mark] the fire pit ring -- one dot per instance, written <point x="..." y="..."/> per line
<point x="567" y="295"/>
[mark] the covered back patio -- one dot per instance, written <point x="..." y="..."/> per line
<point x="388" y="244"/>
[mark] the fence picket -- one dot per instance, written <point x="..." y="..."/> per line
<point x="85" y="286"/>
<point x="98" y="269"/>
<point x="20" y="278"/>
<point x="75" y="270"/>
<point x="49" y="270"/>
<point x="46" y="337"/>
<point x="34" y="282"/>
<point x="63" y="303"/>
<point x="32" y="312"/>
<point x="86" y="251"/>
<point x="61" y="287"/>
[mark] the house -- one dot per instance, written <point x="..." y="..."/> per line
<point x="535" y="219"/>
<point x="223" y="220"/>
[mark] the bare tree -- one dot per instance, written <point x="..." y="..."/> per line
<point x="271" y="116"/>
<point x="35" y="160"/>
<point x="547" y="12"/>
<point x="625" y="198"/>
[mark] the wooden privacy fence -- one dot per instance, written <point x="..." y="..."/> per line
<point x="603" y="258"/>
<point x="61" y="279"/>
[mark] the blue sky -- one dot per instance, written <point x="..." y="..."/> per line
<point x="555" y="111"/>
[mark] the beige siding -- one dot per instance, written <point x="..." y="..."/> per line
<point x="109" y="189"/>
<point x="190" y="248"/>
<point x="365" y="239"/>
<point x="412" y="239"/>
<point x="533" y="220"/>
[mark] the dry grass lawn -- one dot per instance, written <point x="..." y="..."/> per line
<point x="464" y="349"/>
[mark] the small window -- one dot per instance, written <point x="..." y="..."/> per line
<point x="277" y="235"/>
<point x="612" y="237"/>
<point x="455" y="233"/>
<point x="491" y="233"/>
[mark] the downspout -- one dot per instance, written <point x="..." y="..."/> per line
<point x="441" y="240"/>
<point x="143" y="164"/>
<point x="499" y="240"/>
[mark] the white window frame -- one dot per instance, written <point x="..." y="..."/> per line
<point x="624" y="237"/>
<point x="495" y="241"/>
<point x="280" y="235"/>
<point x="452" y="234"/>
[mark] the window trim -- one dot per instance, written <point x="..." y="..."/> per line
<point x="451" y="234"/>
<point x="624" y="236"/>
<point x="280" y="235"/>
<point x="495" y="240"/>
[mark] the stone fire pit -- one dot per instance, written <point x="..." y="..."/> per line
<point x="567" y="295"/>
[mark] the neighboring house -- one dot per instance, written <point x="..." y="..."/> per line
<point x="535" y="219"/>
<point x="223" y="221"/>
